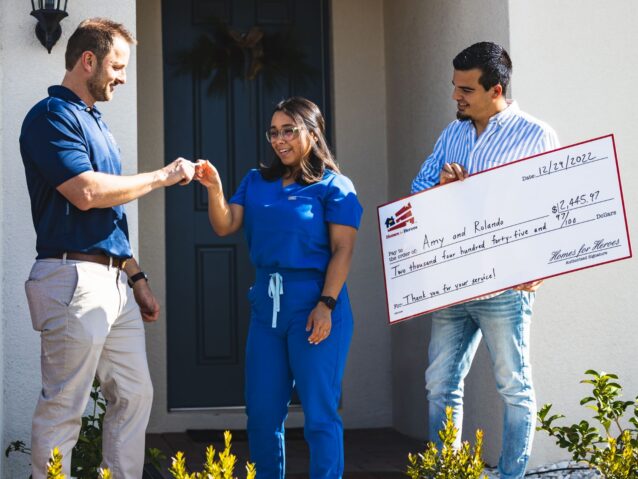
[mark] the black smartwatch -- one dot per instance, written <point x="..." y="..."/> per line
<point x="136" y="277"/>
<point x="328" y="301"/>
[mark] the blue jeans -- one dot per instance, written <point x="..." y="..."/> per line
<point x="504" y="321"/>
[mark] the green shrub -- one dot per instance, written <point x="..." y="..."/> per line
<point x="54" y="466"/>
<point x="222" y="468"/>
<point x="86" y="456"/>
<point x="450" y="463"/>
<point x="614" y="451"/>
<point x="17" y="446"/>
<point x="213" y="469"/>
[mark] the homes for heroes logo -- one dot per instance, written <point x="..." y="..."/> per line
<point x="399" y="220"/>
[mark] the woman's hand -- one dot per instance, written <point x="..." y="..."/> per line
<point x="224" y="218"/>
<point x="320" y="322"/>
<point x="207" y="174"/>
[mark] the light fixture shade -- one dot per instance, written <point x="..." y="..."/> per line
<point x="49" y="15"/>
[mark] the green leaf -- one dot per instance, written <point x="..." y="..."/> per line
<point x="614" y="458"/>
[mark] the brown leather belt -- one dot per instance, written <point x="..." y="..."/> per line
<point x="96" y="258"/>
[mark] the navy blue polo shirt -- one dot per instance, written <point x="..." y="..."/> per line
<point x="62" y="137"/>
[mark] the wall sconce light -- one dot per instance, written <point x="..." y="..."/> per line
<point x="48" y="29"/>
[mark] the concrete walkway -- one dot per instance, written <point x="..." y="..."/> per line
<point x="369" y="453"/>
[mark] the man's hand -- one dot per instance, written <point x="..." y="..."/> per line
<point x="320" y="321"/>
<point x="207" y="174"/>
<point x="179" y="171"/>
<point x="452" y="172"/>
<point x="530" y="287"/>
<point x="144" y="297"/>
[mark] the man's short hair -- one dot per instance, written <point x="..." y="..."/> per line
<point x="493" y="61"/>
<point x="94" y="35"/>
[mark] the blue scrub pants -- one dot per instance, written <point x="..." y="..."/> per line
<point x="280" y="357"/>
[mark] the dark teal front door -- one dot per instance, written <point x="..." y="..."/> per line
<point x="207" y="276"/>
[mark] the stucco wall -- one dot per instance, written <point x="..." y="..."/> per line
<point x="28" y="71"/>
<point x="357" y="33"/>
<point x="421" y="39"/>
<point x="572" y="68"/>
<point x="2" y="318"/>
<point x="359" y="69"/>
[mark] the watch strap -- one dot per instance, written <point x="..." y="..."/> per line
<point x="136" y="277"/>
<point x="328" y="301"/>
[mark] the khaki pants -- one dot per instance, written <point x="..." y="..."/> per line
<point x="89" y="325"/>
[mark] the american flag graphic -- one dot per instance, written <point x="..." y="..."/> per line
<point x="400" y="218"/>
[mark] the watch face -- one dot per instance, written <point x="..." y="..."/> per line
<point x="328" y="301"/>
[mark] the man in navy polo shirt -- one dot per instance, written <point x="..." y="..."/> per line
<point x="89" y="319"/>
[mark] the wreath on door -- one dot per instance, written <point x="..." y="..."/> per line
<point x="223" y="54"/>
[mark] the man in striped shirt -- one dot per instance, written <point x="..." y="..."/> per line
<point x="489" y="131"/>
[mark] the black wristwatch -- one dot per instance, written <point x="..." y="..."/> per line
<point x="136" y="277"/>
<point x="328" y="301"/>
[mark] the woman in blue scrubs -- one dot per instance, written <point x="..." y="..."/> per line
<point x="300" y="216"/>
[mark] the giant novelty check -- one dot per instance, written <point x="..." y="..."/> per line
<point x="531" y="219"/>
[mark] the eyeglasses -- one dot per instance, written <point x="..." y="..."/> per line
<point x="288" y="133"/>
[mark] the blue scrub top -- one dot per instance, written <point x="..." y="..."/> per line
<point x="287" y="226"/>
<point x="62" y="137"/>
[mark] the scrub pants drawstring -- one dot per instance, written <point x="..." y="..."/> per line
<point x="275" y="290"/>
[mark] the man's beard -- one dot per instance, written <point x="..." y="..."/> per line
<point x="97" y="89"/>
<point x="462" y="116"/>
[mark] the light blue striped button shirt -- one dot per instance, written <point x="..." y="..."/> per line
<point x="510" y="135"/>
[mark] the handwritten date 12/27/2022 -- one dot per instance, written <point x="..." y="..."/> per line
<point x="557" y="166"/>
